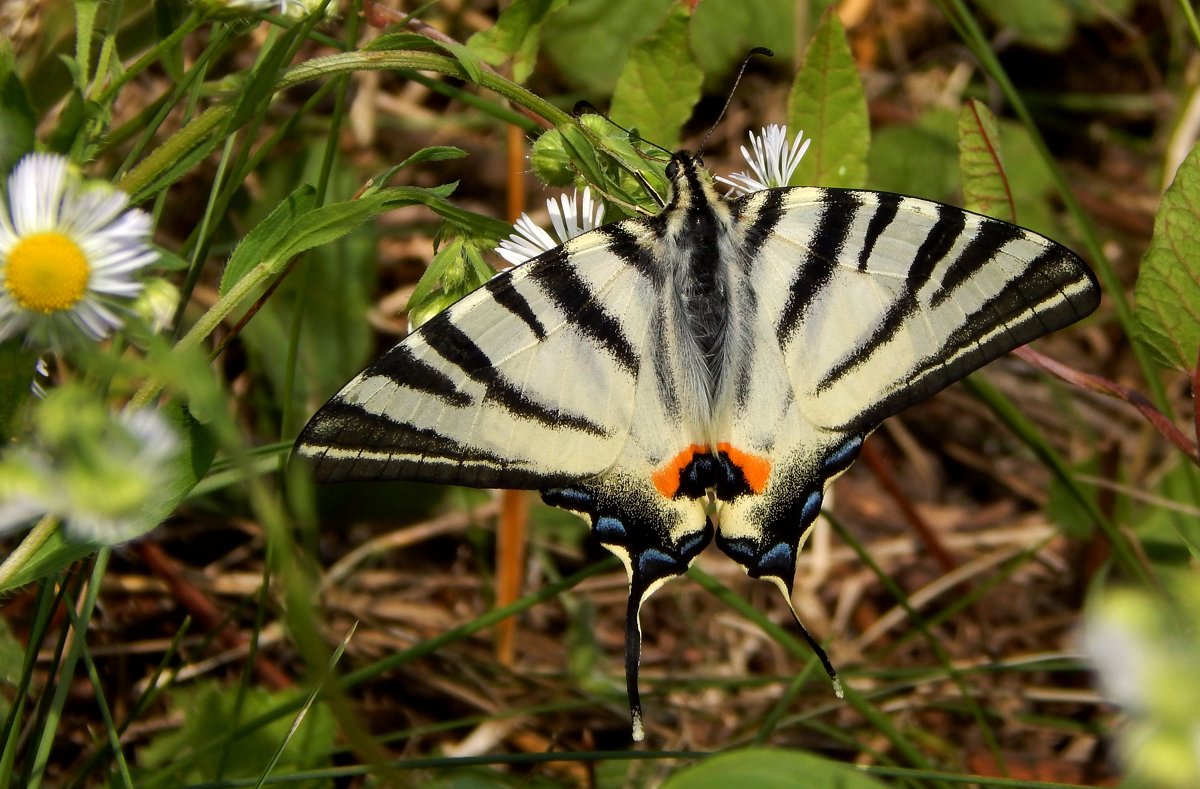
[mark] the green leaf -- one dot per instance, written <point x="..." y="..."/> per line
<point x="722" y="33"/>
<point x="267" y="235"/>
<point x="434" y="153"/>
<point x="1167" y="293"/>
<point x="1041" y="23"/>
<point x="985" y="186"/>
<point x="766" y="768"/>
<point x="590" y="40"/>
<point x="51" y="556"/>
<point x="828" y="104"/>
<point x="466" y="57"/>
<point x="660" y="83"/>
<point x="516" y="35"/>
<point x="17" y="119"/>
<point x="208" y="711"/>
<point x="188" y="468"/>
<point x="455" y="271"/>
<point x="918" y="158"/>
<point x="16" y="374"/>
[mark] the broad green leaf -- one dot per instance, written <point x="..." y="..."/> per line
<point x="208" y="710"/>
<point x="1167" y="293"/>
<point x="660" y="83"/>
<point x="1032" y="184"/>
<point x="722" y="33"/>
<point x="917" y="158"/>
<point x="17" y="119"/>
<point x="766" y="768"/>
<point x="985" y="185"/>
<point x="1041" y="23"/>
<point x="828" y="104"/>
<point x="516" y="35"/>
<point x="267" y="235"/>
<point x="199" y="448"/>
<point x="590" y="40"/>
<point x="1100" y="10"/>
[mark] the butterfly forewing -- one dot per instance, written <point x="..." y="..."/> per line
<point x="521" y="384"/>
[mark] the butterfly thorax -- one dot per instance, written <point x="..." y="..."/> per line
<point x="696" y="234"/>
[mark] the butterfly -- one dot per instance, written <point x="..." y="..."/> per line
<point x="703" y="373"/>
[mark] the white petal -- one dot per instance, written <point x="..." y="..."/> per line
<point x="35" y="191"/>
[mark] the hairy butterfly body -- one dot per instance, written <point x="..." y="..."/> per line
<point x="732" y="352"/>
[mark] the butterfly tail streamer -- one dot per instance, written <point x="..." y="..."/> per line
<point x="638" y="592"/>
<point x="785" y="588"/>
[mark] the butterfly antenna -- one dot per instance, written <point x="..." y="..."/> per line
<point x="729" y="98"/>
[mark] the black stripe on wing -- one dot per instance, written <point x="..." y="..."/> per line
<point x="575" y="299"/>
<point x="990" y="238"/>
<point x="940" y="240"/>
<point x="400" y="365"/>
<point x="453" y="345"/>
<point x="624" y="244"/>
<point x="345" y="443"/>
<point x="1055" y="290"/>
<point x="507" y="296"/>
<point x="886" y="208"/>
<point x="766" y="217"/>
<point x="828" y="238"/>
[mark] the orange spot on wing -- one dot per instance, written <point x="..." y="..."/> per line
<point x="666" y="479"/>
<point x="755" y="469"/>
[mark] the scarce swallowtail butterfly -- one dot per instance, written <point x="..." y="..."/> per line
<point x="705" y="372"/>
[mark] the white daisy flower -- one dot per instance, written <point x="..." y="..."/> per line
<point x="299" y="9"/>
<point x="101" y="481"/>
<point x="230" y="9"/>
<point x="568" y="217"/>
<point x="68" y="253"/>
<point x="772" y="161"/>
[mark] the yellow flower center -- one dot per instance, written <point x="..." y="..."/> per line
<point x="46" y="272"/>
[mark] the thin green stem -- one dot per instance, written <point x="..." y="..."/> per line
<point x="29" y="546"/>
<point x="1190" y="15"/>
<point x="151" y="56"/>
<point x="67" y="669"/>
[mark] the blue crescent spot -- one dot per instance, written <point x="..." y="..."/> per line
<point x="609" y="529"/>
<point x="778" y="561"/>
<point x="572" y="499"/>
<point x="692" y="544"/>
<point x="811" y="508"/>
<point x="842" y="456"/>
<point x="653" y="562"/>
